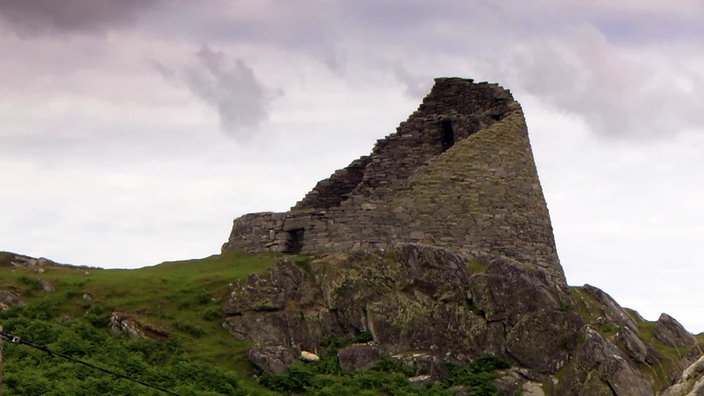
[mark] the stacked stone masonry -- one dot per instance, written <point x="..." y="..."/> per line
<point x="459" y="173"/>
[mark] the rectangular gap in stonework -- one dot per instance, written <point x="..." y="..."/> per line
<point x="447" y="139"/>
<point x="294" y="243"/>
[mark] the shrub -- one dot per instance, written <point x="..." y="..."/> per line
<point x="212" y="314"/>
<point x="393" y="366"/>
<point x="189" y="329"/>
<point x="488" y="362"/>
<point x="31" y="284"/>
<point x="336" y="342"/>
<point x="478" y="375"/>
<point x="98" y="316"/>
<point x="364" y="336"/>
<point x="296" y="379"/>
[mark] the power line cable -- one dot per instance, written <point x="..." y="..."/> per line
<point x="18" y="340"/>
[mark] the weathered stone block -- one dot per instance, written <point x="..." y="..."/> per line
<point x="272" y="359"/>
<point x="358" y="357"/>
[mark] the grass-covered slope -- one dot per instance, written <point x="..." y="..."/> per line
<point x="181" y="301"/>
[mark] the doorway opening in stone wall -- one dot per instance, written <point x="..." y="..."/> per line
<point x="447" y="139"/>
<point x="294" y="243"/>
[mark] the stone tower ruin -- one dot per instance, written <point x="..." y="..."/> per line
<point x="459" y="173"/>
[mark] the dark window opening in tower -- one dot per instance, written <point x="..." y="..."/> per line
<point x="294" y="244"/>
<point x="447" y="139"/>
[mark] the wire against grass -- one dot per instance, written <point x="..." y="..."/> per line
<point x="18" y="340"/>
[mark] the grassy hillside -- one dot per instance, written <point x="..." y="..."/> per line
<point x="182" y="300"/>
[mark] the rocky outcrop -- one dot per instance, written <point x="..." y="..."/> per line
<point x="358" y="357"/>
<point x="45" y="285"/>
<point x="9" y="298"/>
<point x="123" y="323"/>
<point x="8" y="259"/>
<point x="426" y="305"/>
<point x="271" y="359"/>
<point x="610" y="310"/>
<point x="671" y="333"/>
<point x="690" y="383"/>
<point x="636" y="349"/>
<point x="600" y="368"/>
<point x="509" y="290"/>
<point x="410" y="298"/>
<point x="514" y="383"/>
<point x="543" y="340"/>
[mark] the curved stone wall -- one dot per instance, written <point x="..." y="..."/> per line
<point x="459" y="173"/>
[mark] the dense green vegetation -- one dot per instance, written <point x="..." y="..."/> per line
<point x="387" y="377"/>
<point x="183" y="299"/>
<point x="191" y="354"/>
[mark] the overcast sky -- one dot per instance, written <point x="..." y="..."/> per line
<point x="134" y="131"/>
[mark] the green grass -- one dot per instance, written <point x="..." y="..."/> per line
<point x="183" y="298"/>
<point x="670" y="358"/>
<point x="587" y="307"/>
<point x="476" y="266"/>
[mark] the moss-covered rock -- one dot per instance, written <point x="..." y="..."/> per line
<point x="410" y="298"/>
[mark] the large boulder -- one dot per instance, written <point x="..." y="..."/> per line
<point x="358" y="357"/>
<point x="124" y="323"/>
<point x="291" y="329"/>
<point x="690" y="383"/>
<point x="600" y="368"/>
<point x="272" y="359"/>
<point x="285" y="282"/>
<point x="401" y="323"/>
<point x="9" y="298"/>
<point x="628" y="340"/>
<point x="610" y="309"/>
<point x="507" y="291"/>
<point x="8" y="259"/>
<point x="671" y="333"/>
<point x="543" y="340"/>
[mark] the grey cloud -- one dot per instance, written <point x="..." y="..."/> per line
<point x="617" y="94"/>
<point x="334" y="59"/>
<point x="163" y="70"/>
<point x="525" y="47"/>
<point x="31" y="17"/>
<point x="231" y="89"/>
<point x="535" y="49"/>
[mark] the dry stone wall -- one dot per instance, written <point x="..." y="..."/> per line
<point x="459" y="173"/>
